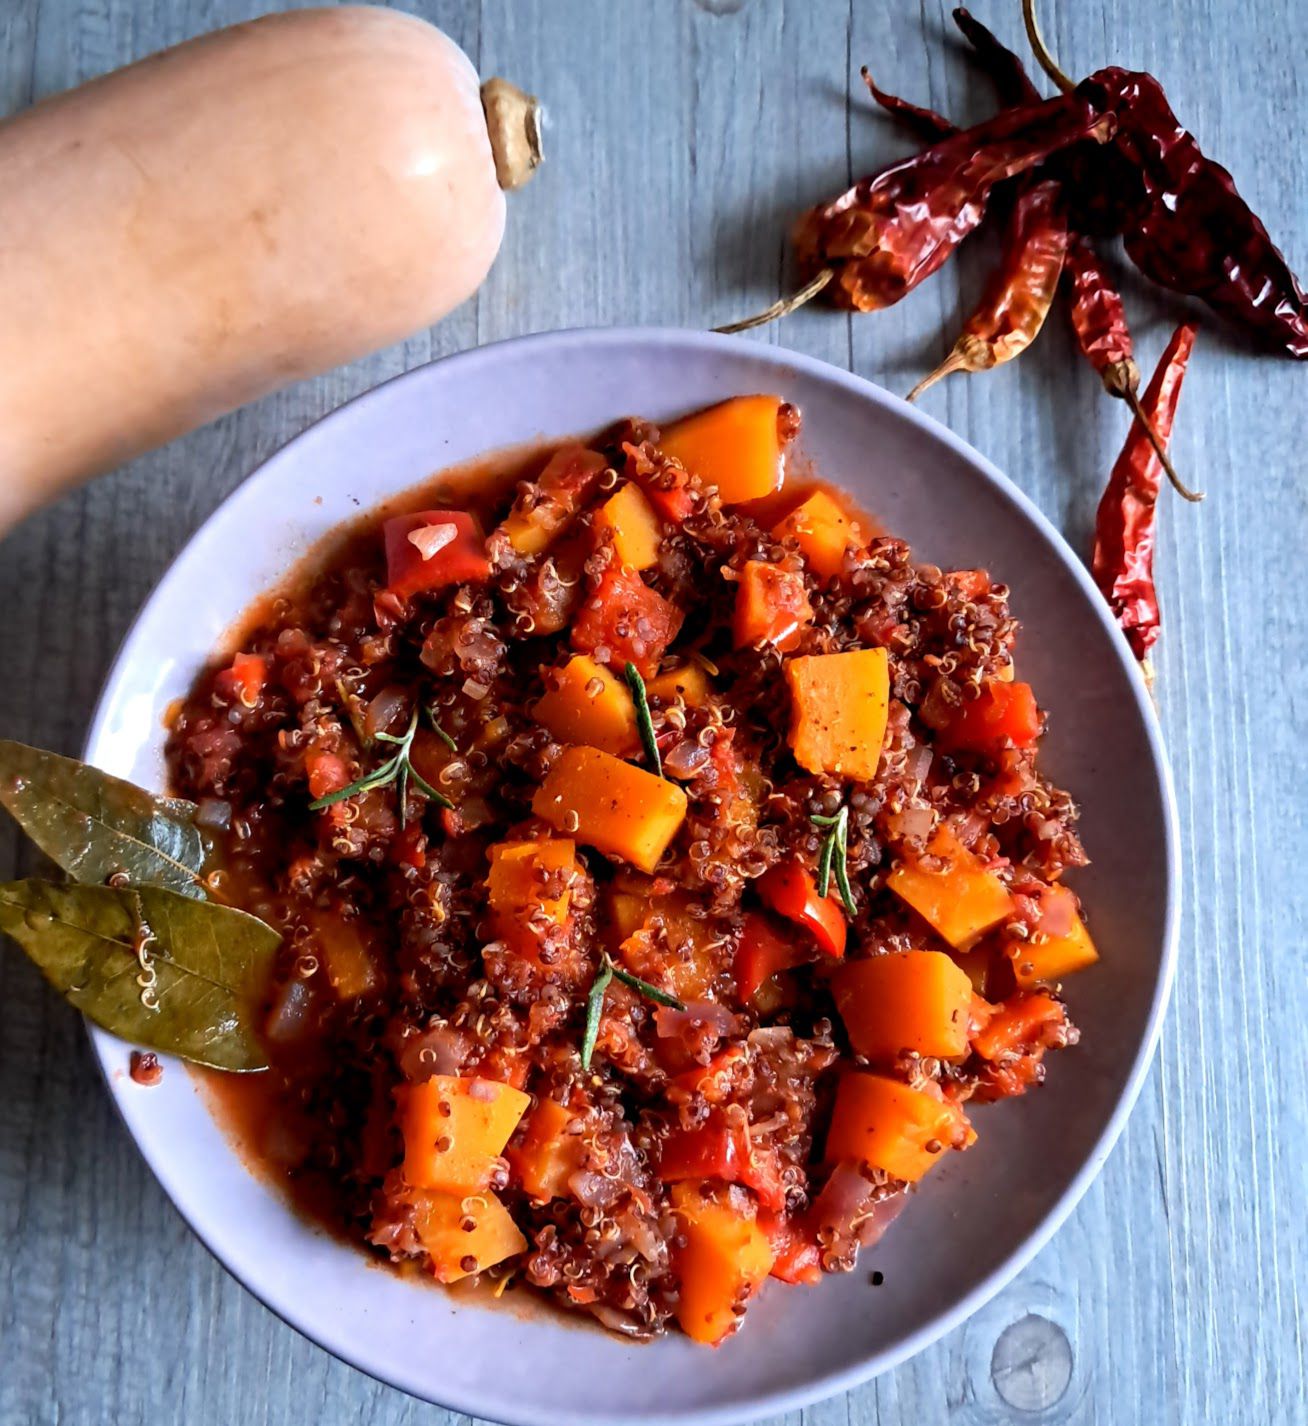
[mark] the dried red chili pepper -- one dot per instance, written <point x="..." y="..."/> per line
<point x="1099" y="321"/>
<point x="925" y="121"/>
<point x="1008" y="72"/>
<point x="1123" y="559"/>
<point x="1021" y="292"/>
<point x="1183" y="222"/>
<point x="878" y="240"/>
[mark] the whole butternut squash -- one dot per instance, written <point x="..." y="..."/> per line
<point x="249" y="208"/>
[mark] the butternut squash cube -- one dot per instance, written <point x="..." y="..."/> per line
<point x="621" y="810"/>
<point x="584" y="702"/>
<point x="690" y="683"/>
<point x="735" y="446"/>
<point x="962" y="900"/>
<point x="1047" y="959"/>
<point x="823" y="532"/>
<point x="839" y="704"/>
<point x="635" y="525"/>
<point x="725" y="1258"/>
<point x="907" y="1000"/>
<point x="464" y="1233"/>
<point x="343" y="949"/>
<point x="455" y="1129"/>
<point x="891" y="1126"/>
<point x="529" y="885"/>
<point x="548" y="1155"/>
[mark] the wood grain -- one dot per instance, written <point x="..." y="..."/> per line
<point x="683" y="136"/>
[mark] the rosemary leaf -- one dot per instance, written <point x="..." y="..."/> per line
<point x="643" y="987"/>
<point x="842" y="862"/>
<point x="824" y="863"/>
<point x="594" y="1007"/>
<point x="440" y="732"/>
<point x="421" y="783"/>
<point x="643" y="720"/>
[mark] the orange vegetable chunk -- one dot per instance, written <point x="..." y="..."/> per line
<point x="724" y="1260"/>
<point x="456" y="1249"/>
<point x="547" y="1156"/>
<point x="1004" y="715"/>
<point x="455" y="1128"/>
<point x="690" y="683"/>
<point x="666" y="944"/>
<point x="635" y="525"/>
<point x="839" y="704"/>
<point x="771" y="607"/>
<point x="887" y="1125"/>
<point x="823" y="532"/>
<point x="529" y="887"/>
<point x="962" y="900"/>
<point x="1049" y="958"/>
<point x="585" y="703"/>
<point x="345" y="955"/>
<point x="622" y="810"/>
<point x="906" y="1000"/>
<point x="735" y="446"/>
<point x="628" y="619"/>
<point x="548" y="507"/>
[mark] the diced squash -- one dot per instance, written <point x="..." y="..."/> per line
<point x="455" y="1128"/>
<point x="891" y="1126"/>
<point x="723" y="1261"/>
<point x="548" y="505"/>
<point x="735" y="446"/>
<point x="962" y="900"/>
<point x="529" y="888"/>
<point x="628" y="619"/>
<point x="839" y="704"/>
<point x="667" y="945"/>
<point x="906" y="1000"/>
<point x="547" y="1155"/>
<point x="349" y="964"/>
<point x="771" y="607"/>
<point x="586" y="703"/>
<point x="823" y="532"/>
<point x="621" y="810"/>
<point x="690" y="682"/>
<point x="1046" y="959"/>
<point x="635" y="525"/>
<point x="433" y="548"/>
<point x="465" y="1233"/>
<point x="1003" y="715"/>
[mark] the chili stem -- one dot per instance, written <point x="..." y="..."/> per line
<point x="955" y="361"/>
<point x="1132" y="399"/>
<point x="1041" y="50"/>
<point x="784" y="307"/>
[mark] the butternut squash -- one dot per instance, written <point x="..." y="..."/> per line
<point x="249" y="208"/>
<point x="839" y="704"/>
<point x="891" y="1126"/>
<point x="690" y="682"/>
<point x="465" y="1233"/>
<point x="1047" y="959"/>
<point x="585" y="703"/>
<point x="635" y="527"/>
<point x="771" y="607"/>
<point x="722" y="1261"/>
<point x="822" y="531"/>
<point x="735" y="446"/>
<point x="906" y="1000"/>
<point x="454" y="1130"/>
<point x="961" y="899"/>
<point x="547" y="1156"/>
<point x="529" y="888"/>
<point x="622" y="810"/>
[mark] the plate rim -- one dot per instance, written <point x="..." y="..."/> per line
<point x="831" y="1383"/>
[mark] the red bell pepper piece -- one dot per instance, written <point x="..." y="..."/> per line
<point x="789" y="889"/>
<point x="625" y="616"/>
<point x="718" y="1151"/>
<point x="796" y="1257"/>
<point x="761" y="953"/>
<point x="243" y="682"/>
<point x="1004" y="716"/>
<point x="433" y="548"/>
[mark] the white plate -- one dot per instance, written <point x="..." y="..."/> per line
<point x="977" y="1219"/>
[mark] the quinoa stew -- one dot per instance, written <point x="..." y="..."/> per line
<point x="663" y="867"/>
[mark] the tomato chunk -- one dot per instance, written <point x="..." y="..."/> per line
<point x="790" y="889"/>
<point x="243" y="682"/>
<point x="433" y="548"/>
<point x="761" y="953"/>
<point x="771" y="607"/>
<point x="628" y="618"/>
<point x="1004" y="716"/>
<point x="718" y="1151"/>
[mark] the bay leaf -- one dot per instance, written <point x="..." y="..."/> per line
<point x="211" y="964"/>
<point x="94" y="825"/>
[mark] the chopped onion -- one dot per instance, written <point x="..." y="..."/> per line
<point x="288" y="1020"/>
<point x="670" y="1022"/>
<point x="213" y="812"/>
<point x="430" y="539"/>
<point x="440" y="1050"/>
<point x="385" y="709"/>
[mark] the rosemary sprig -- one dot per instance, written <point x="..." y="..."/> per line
<point x="440" y="732"/>
<point x="608" y="973"/>
<point x="396" y="769"/>
<point x="834" y="856"/>
<point x="643" y="720"/>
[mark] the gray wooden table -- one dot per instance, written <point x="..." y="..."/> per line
<point x="683" y="136"/>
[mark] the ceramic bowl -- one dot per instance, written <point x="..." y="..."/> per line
<point x="978" y="1218"/>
